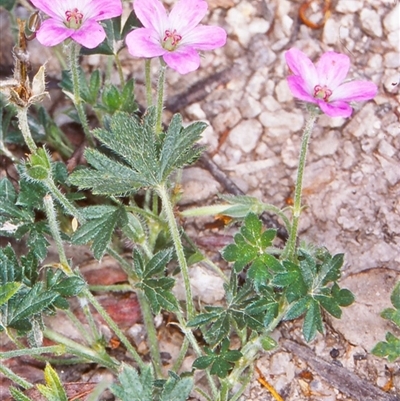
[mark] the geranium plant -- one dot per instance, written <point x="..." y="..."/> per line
<point x="128" y="151"/>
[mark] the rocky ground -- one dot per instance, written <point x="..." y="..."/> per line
<point x="352" y="179"/>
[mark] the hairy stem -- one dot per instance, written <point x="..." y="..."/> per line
<point x="113" y="326"/>
<point x="176" y="238"/>
<point x="74" y="68"/>
<point x="151" y="333"/>
<point x="160" y="97"/>
<point x="80" y="350"/>
<point x="22" y="116"/>
<point x="147" y="71"/>
<point x="290" y="248"/>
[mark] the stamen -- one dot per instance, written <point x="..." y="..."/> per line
<point x="322" y="92"/>
<point x="74" y="15"/>
<point x="171" y="39"/>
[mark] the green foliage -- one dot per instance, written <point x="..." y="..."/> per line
<point x="100" y="224"/>
<point x="18" y="395"/>
<point x="32" y="297"/>
<point x="221" y="361"/>
<point x="143" y="387"/>
<point x="249" y="249"/>
<point x="239" y="312"/>
<point x="89" y="91"/>
<point x="8" y="4"/>
<point x="111" y="100"/>
<point x="308" y="288"/>
<point x="53" y="390"/>
<point x="390" y="348"/>
<point x="114" y="100"/>
<point x="18" y="214"/>
<point x="143" y="158"/>
<point x="7" y="291"/>
<point x="152" y="281"/>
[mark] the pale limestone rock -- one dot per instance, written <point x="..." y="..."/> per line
<point x="371" y="22"/>
<point x="349" y="6"/>
<point x="293" y="122"/>
<point x="198" y="185"/>
<point x="246" y="135"/>
<point x="250" y="107"/>
<point x="282" y="91"/>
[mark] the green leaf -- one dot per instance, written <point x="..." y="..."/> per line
<point x="33" y="302"/>
<point x="158" y="292"/>
<point x="203" y="362"/>
<point x="259" y="273"/>
<point x="389" y="349"/>
<point x="7" y="191"/>
<point x="298" y="308"/>
<point x="109" y="177"/>
<point x="252" y="228"/>
<point x="53" y="390"/>
<point x="312" y="322"/>
<point x="221" y="362"/>
<point x="177" y="148"/>
<point x="134" y="387"/>
<point x="18" y="395"/>
<point x="177" y="389"/>
<point x="395" y="297"/>
<point x="157" y="263"/>
<point x="7" y="291"/>
<point x="99" y="230"/>
<point x="330" y="305"/>
<point x="343" y="297"/>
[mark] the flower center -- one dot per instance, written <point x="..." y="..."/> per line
<point x="322" y="92"/>
<point x="73" y="18"/>
<point x="171" y="40"/>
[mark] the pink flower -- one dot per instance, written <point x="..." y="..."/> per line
<point x="322" y="83"/>
<point x="75" y="19"/>
<point x="175" y="36"/>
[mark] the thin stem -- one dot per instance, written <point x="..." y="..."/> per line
<point x="147" y="71"/>
<point x="115" y="328"/>
<point x="111" y="288"/>
<point x="53" y="349"/>
<point x="80" y="327"/>
<point x="80" y="350"/>
<point x="63" y="201"/>
<point x="151" y="333"/>
<point x="22" y="116"/>
<point x="55" y="231"/>
<point x="290" y="248"/>
<point x="168" y="210"/>
<point x="181" y="356"/>
<point x="15" y="378"/>
<point x="160" y="96"/>
<point x="119" y="69"/>
<point x="74" y="67"/>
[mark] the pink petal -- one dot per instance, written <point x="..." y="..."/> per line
<point x="186" y="14"/>
<point x="184" y="60"/>
<point x="152" y="14"/>
<point x="103" y="9"/>
<point x="299" y="89"/>
<point x="355" y="91"/>
<point x="335" y="109"/>
<point x="332" y="69"/>
<point x="302" y="66"/>
<point x="205" y="37"/>
<point x="90" y="34"/>
<point x="54" y="9"/>
<point x="144" y="42"/>
<point x="52" y="32"/>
